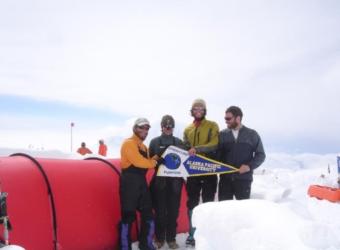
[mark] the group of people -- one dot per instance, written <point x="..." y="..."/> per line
<point x="237" y="145"/>
<point x="102" y="149"/>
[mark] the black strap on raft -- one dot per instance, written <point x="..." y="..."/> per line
<point x="49" y="192"/>
<point x="4" y="217"/>
<point x="3" y="207"/>
<point x="3" y="210"/>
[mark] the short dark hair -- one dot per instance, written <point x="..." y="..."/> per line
<point x="236" y="111"/>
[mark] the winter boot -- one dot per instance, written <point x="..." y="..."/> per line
<point x="173" y="245"/>
<point x="125" y="236"/>
<point x="146" y="235"/>
<point x="159" y="244"/>
<point x="190" y="241"/>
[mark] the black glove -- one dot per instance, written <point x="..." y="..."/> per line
<point x="160" y="161"/>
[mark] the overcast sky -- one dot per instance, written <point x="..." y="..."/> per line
<point x="103" y="63"/>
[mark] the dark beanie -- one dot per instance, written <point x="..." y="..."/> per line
<point x="168" y="121"/>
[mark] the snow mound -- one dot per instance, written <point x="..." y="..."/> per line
<point x="247" y="224"/>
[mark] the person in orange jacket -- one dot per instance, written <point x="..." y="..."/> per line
<point x="134" y="191"/>
<point x="102" y="148"/>
<point x="83" y="150"/>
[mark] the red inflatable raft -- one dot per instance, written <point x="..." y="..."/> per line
<point x="324" y="193"/>
<point x="59" y="204"/>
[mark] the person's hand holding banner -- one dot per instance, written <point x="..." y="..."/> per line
<point x="244" y="169"/>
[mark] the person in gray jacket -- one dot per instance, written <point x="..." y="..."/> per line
<point x="166" y="191"/>
<point x="242" y="148"/>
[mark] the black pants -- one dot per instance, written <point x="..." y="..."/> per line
<point x="197" y="184"/>
<point x="134" y="195"/>
<point x="166" y="198"/>
<point x="229" y="187"/>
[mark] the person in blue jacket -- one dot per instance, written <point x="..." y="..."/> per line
<point x="242" y="148"/>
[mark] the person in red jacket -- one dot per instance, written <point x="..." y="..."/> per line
<point x="83" y="150"/>
<point x="102" y="148"/>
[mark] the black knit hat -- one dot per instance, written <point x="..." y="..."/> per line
<point x="167" y="121"/>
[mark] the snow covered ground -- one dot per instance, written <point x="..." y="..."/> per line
<point x="12" y="247"/>
<point x="280" y="215"/>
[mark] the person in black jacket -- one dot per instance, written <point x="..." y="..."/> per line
<point x="166" y="191"/>
<point x="240" y="147"/>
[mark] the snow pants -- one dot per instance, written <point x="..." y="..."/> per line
<point x="135" y="195"/>
<point x="166" y="198"/>
<point x="197" y="184"/>
<point x="228" y="187"/>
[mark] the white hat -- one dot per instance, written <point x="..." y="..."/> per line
<point x="141" y="122"/>
<point x="198" y="102"/>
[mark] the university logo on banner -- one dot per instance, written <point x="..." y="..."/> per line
<point x="178" y="163"/>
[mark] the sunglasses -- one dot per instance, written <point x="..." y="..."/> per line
<point x="228" y="118"/>
<point x="168" y="127"/>
<point x="144" y="128"/>
<point x="198" y="109"/>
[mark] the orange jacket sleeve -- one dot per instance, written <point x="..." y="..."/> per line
<point x="130" y="155"/>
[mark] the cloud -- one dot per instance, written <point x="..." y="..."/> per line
<point x="279" y="60"/>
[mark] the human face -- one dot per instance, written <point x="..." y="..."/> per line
<point x="167" y="130"/>
<point x="142" y="131"/>
<point x="198" y="112"/>
<point x="231" y="120"/>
